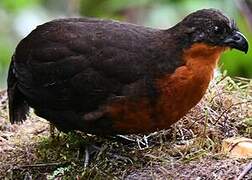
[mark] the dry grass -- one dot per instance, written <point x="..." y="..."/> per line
<point x="189" y="149"/>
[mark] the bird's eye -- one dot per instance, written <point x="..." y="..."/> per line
<point x="218" y="30"/>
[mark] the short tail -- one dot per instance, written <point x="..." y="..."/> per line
<point x="18" y="107"/>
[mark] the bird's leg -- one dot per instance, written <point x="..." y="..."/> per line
<point x="93" y="148"/>
<point x="86" y="147"/>
<point x="86" y="159"/>
<point x="53" y="131"/>
<point x="89" y="152"/>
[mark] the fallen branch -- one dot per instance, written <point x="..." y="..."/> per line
<point x="245" y="171"/>
<point x="41" y="165"/>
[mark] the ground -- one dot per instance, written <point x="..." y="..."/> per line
<point x="190" y="149"/>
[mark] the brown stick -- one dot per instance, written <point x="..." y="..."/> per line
<point x="42" y="165"/>
<point x="245" y="171"/>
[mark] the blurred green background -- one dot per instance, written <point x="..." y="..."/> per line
<point x="19" y="17"/>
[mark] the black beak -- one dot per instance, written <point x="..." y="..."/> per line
<point x="238" y="41"/>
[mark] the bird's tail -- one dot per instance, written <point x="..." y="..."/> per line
<point x="18" y="107"/>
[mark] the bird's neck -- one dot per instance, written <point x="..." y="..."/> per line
<point x="201" y="55"/>
<point x="184" y="88"/>
<point x="200" y="61"/>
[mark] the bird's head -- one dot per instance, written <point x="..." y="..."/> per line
<point x="211" y="27"/>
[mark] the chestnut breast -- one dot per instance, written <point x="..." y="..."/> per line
<point x="179" y="92"/>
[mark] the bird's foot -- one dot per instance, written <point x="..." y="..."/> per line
<point x="141" y="141"/>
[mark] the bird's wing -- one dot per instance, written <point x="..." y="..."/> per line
<point x="80" y="63"/>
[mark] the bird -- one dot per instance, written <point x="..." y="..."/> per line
<point x="106" y="77"/>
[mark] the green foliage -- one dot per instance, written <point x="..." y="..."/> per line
<point x="248" y="121"/>
<point x="5" y="55"/>
<point x="109" y="8"/>
<point x="14" y="5"/>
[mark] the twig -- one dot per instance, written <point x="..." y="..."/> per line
<point x="42" y="165"/>
<point x="245" y="171"/>
<point x="126" y="137"/>
<point x="226" y="110"/>
<point x="40" y="131"/>
<point x="145" y="138"/>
